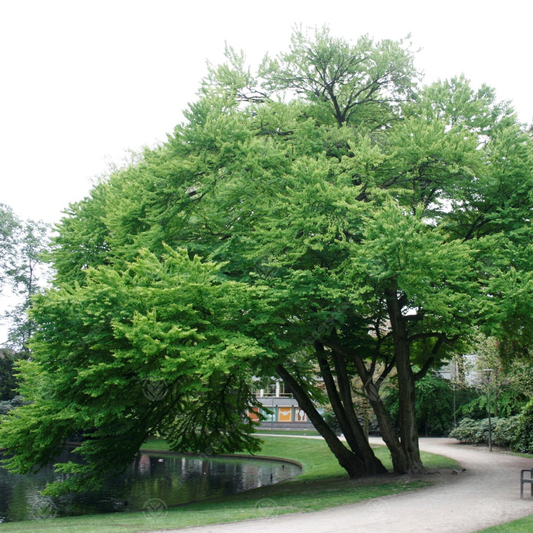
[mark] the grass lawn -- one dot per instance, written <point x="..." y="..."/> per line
<point x="521" y="525"/>
<point x="322" y="484"/>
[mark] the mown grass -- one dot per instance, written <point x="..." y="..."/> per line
<point x="322" y="484"/>
<point x="522" y="525"/>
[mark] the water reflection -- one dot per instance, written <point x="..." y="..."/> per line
<point x="173" y="479"/>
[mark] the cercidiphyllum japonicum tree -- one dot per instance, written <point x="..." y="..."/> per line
<point x="379" y="223"/>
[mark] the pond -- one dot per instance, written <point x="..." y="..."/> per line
<point x="151" y="483"/>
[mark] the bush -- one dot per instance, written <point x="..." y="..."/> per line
<point x="504" y="431"/>
<point x="477" y="431"/>
<point x="472" y="431"/>
<point x="523" y="441"/>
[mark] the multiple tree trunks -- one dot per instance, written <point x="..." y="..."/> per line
<point x="359" y="460"/>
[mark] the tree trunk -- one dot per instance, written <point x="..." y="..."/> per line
<point x="338" y="409"/>
<point x="406" y="385"/>
<point x="354" y="465"/>
<point x="358" y="442"/>
<point x="400" y="463"/>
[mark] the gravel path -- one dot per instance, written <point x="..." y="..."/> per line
<point x="487" y="493"/>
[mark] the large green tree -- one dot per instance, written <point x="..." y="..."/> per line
<point x="362" y="227"/>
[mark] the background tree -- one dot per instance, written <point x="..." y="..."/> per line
<point x="510" y="382"/>
<point x="7" y="375"/>
<point x="26" y="275"/>
<point x="434" y="405"/>
<point x="22" y="271"/>
<point x="357" y="84"/>
<point x="9" y="226"/>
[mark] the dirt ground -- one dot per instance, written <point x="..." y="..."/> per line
<point x="487" y="493"/>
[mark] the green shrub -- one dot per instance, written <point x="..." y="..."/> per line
<point x="8" y="380"/>
<point x="523" y="441"/>
<point x="504" y="431"/>
<point x="477" y="431"/>
<point x="472" y="431"/>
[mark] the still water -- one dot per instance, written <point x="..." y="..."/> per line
<point x="153" y="481"/>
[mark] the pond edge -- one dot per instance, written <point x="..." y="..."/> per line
<point x="225" y="456"/>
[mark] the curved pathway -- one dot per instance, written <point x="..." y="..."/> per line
<point x="487" y="493"/>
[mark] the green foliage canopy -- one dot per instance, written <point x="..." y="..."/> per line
<point x="160" y="347"/>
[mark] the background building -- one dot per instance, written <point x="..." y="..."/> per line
<point x="280" y="408"/>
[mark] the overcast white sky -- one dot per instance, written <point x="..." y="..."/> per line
<point x="81" y="82"/>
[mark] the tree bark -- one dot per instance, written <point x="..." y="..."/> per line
<point x="353" y="465"/>
<point x="336" y="403"/>
<point x="400" y="463"/>
<point x="369" y="457"/>
<point x="406" y="385"/>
